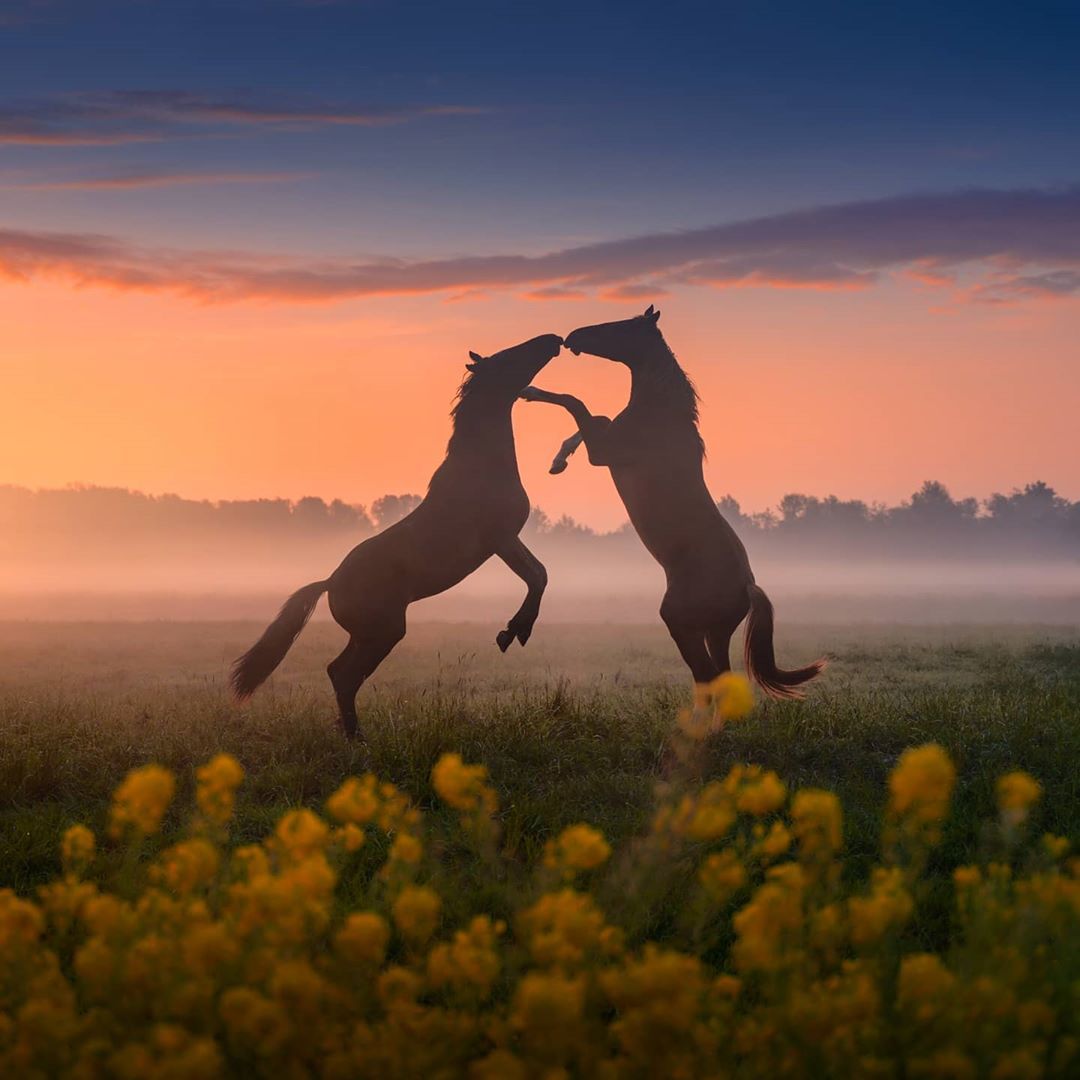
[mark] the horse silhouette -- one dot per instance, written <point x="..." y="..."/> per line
<point x="655" y="453"/>
<point x="474" y="508"/>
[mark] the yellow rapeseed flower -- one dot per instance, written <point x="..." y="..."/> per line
<point x="140" y="802"/>
<point x="1017" y="792"/>
<point x="464" y="787"/>
<point x="577" y="848"/>
<point x="817" y="823"/>
<point x="886" y="908"/>
<point x="363" y="939"/>
<point x="922" y="784"/>
<point x="761" y="794"/>
<point x="356" y="802"/>
<point x="187" y="866"/>
<point x="470" y="963"/>
<point x="547" y="1011"/>
<point x="416" y="913"/>
<point x="215" y="788"/>
<point x="722" y="875"/>
<point x="77" y="849"/>
<point x="300" y="833"/>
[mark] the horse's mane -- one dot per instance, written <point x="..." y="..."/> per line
<point x="468" y="384"/>
<point x="670" y="383"/>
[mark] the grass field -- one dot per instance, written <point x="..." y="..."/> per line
<point x="722" y="925"/>
<point x="572" y="728"/>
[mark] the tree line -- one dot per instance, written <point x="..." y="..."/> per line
<point x="1033" y="520"/>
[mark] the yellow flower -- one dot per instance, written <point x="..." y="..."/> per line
<point x="187" y="866"/>
<point x="301" y="833"/>
<point x="887" y="908"/>
<point x="140" y="802"/>
<point x="77" y="849"/>
<point x="363" y="939"/>
<point x="464" y="787"/>
<point x="351" y="837"/>
<point x="416" y="913"/>
<point x="722" y="875"/>
<point x="356" y="802"/>
<point x="547" y="1011"/>
<point x="727" y="697"/>
<point x="253" y="1022"/>
<point x="470" y="962"/>
<point x="1057" y="847"/>
<point x="406" y="849"/>
<point x="577" y="848"/>
<point x="1017" y="792"/>
<point x="733" y="694"/>
<point x="564" y="928"/>
<point x="215" y="788"/>
<point x="817" y="823"/>
<point x="20" y="921"/>
<point x="768" y="928"/>
<point x="209" y="947"/>
<point x="774" y="843"/>
<point x="761" y="795"/>
<point x="922" y="783"/>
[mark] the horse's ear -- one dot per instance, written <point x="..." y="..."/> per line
<point x="648" y="311"/>
<point x="471" y="367"/>
<point x="652" y="314"/>
<point x="475" y="357"/>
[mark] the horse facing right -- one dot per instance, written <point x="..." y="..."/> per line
<point x="474" y="508"/>
<point x="655" y="453"/>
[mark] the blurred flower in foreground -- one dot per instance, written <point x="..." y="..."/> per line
<point x="141" y="800"/>
<point x="728" y="697"/>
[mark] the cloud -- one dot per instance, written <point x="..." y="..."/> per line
<point x="132" y="181"/>
<point x="1004" y="245"/>
<point x="132" y="116"/>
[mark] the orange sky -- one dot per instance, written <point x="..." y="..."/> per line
<point x="859" y="393"/>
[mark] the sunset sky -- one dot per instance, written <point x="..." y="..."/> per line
<point x="246" y="245"/>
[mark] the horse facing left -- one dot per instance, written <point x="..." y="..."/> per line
<point x="474" y="508"/>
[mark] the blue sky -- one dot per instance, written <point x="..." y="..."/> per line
<point x="591" y="121"/>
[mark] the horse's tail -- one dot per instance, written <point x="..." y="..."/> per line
<point x="256" y="665"/>
<point x="760" y="658"/>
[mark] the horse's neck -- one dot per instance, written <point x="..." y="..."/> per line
<point x="658" y="384"/>
<point x="485" y="432"/>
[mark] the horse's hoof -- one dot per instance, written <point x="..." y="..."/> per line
<point x="557" y="467"/>
<point x="503" y="639"/>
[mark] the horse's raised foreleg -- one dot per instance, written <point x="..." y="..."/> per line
<point x="368" y="647"/>
<point x="562" y="458"/>
<point x="531" y="570"/>
<point x="592" y="430"/>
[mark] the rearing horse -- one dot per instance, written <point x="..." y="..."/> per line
<point x="474" y="508"/>
<point x="655" y="453"/>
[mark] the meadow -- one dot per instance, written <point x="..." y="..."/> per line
<point x="575" y="727"/>
<point x="580" y="727"/>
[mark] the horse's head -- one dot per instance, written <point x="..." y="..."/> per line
<point x="628" y="341"/>
<point x="505" y="374"/>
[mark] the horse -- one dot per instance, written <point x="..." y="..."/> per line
<point x="655" y="453"/>
<point x="474" y="508"/>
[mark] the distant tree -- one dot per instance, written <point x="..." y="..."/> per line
<point x="387" y="509"/>
<point x="1034" y="504"/>
<point x="345" y="516"/>
<point x="311" y="513"/>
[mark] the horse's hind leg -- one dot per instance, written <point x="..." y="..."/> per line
<point x="691" y="644"/>
<point x="368" y="647"/>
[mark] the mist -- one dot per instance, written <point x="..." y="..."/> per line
<point x="103" y="553"/>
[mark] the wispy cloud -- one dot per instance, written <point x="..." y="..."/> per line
<point x="132" y="116"/>
<point x="132" y="181"/>
<point x="1004" y="245"/>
